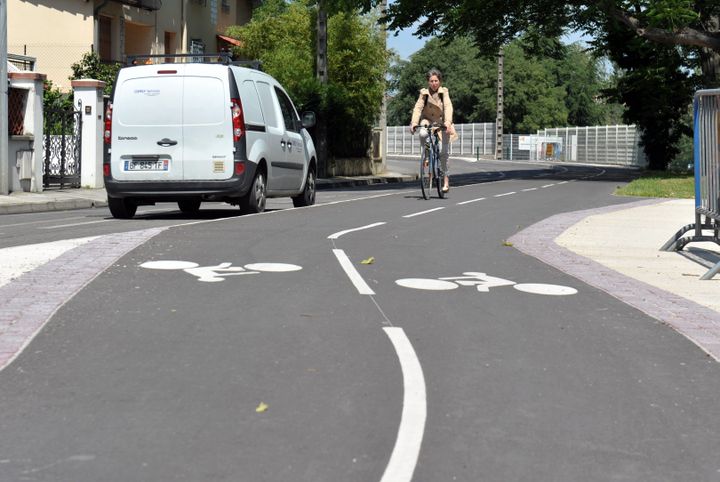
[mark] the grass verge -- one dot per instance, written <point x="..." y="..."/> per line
<point x="660" y="184"/>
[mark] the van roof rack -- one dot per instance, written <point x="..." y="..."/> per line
<point x="149" y="59"/>
<point x="219" y="58"/>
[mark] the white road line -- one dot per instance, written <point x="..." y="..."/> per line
<point x="547" y="185"/>
<point x="340" y="233"/>
<point x="55" y="220"/>
<point x="471" y="201"/>
<point x="422" y="212"/>
<point x="504" y="194"/>
<point x="530" y="189"/>
<point x="414" y="413"/>
<point x="352" y="273"/>
<point x="564" y="182"/>
<point x="75" y="224"/>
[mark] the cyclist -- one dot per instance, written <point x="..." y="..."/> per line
<point x="434" y="106"/>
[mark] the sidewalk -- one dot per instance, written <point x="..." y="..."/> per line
<point x="617" y="249"/>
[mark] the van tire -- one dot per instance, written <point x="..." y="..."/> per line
<point x="189" y="206"/>
<point x="122" y="208"/>
<point x="254" y="201"/>
<point x="307" y="198"/>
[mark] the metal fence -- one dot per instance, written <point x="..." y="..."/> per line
<point x="474" y="140"/>
<point x="611" y="145"/>
<point x="706" y="116"/>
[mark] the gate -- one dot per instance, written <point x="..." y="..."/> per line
<point x="61" y="162"/>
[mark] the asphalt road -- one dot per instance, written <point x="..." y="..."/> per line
<point x="288" y="358"/>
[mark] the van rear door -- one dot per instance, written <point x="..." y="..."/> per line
<point x="147" y="124"/>
<point x="207" y="123"/>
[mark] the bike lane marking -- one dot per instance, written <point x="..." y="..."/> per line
<point x="422" y="212"/>
<point x="357" y="280"/>
<point x="340" y="233"/>
<point x="403" y="459"/>
<point x="471" y="201"/>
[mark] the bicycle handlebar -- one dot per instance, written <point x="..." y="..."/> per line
<point x="434" y="125"/>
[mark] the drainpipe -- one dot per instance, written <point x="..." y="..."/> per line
<point x="183" y="25"/>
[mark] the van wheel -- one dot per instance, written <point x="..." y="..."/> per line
<point x="307" y="198"/>
<point x="189" y="205"/>
<point x="254" y="201"/>
<point x="122" y="208"/>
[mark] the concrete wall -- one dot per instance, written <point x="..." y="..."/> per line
<point x="56" y="32"/>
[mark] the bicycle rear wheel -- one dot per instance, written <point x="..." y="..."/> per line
<point x="425" y="176"/>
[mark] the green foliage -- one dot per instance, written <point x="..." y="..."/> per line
<point x="671" y="14"/>
<point x="91" y="67"/>
<point x="539" y="91"/>
<point x="660" y="184"/>
<point x="55" y="100"/>
<point x="280" y="35"/>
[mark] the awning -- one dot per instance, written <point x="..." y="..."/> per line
<point x="230" y="40"/>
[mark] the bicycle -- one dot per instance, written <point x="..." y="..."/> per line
<point x="430" y="169"/>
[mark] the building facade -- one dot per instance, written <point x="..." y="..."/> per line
<point x="59" y="32"/>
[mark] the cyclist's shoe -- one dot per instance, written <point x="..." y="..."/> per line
<point x="426" y="162"/>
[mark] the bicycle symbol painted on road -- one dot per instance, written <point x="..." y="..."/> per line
<point x="214" y="274"/>
<point x="483" y="282"/>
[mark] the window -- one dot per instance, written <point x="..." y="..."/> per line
<point x="288" y="111"/>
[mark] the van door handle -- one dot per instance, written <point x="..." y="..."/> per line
<point x="282" y="144"/>
<point x="289" y="144"/>
<point x="166" y="142"/>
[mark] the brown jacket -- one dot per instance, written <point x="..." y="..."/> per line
<point x="434" y="110"/>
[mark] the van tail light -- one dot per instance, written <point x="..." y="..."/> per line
<point x="106" y="169"/>
<point x="238" y="120"/>
<point x="107" y="131"/>
<point x="239" y="168"/>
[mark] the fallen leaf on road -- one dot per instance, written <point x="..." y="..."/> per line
<point x="370" y="260"/>
<point x="262" y="407"/>
<point x="507" y="243"/>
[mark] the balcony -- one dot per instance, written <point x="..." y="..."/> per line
<point x="149" y="5"/>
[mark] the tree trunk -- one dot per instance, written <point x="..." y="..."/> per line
<point x="710" y="59"/>
<point x="322" y="75"/>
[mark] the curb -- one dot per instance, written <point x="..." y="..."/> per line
<point x="57" y="205"/>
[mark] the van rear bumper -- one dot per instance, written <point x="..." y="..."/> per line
<point x="150" y="191"/>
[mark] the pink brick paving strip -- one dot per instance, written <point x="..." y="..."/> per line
<point x="696" y="322"/>
<point x="27" y="303"/>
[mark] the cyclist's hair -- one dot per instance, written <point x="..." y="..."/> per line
<point x="435" y="72"/>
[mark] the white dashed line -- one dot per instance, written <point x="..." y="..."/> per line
<point x="471" y="201"/>
<point x="414" y="413"/>
<point x="352" y="273"/>
<point x="340" y="233"/>
<point x="422" y="212"/>
<point x="504" y="194"/>
<point x="75" y="224"/>
<point x="530" y="189"/>
<point x="547" y="185"/>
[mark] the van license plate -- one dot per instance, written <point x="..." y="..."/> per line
<point x="147" y="165"/>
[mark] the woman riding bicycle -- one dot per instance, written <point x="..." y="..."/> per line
<point x="434" y="107"/>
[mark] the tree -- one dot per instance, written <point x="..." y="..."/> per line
<point x="691" y="24"/>
<point x="280" y="35"/>
<point x="540" y="91"/>
<point x="90" y="66"/>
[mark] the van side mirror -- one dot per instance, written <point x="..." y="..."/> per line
<point x="308" y="119"/>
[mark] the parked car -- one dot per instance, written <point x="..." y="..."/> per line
<point x="196" y="132"/>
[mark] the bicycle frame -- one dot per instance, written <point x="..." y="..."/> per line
<point x="435" y="173"/>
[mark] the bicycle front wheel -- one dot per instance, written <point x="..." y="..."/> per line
<point x="425" y="176"/>
<point x="439" y="178"/>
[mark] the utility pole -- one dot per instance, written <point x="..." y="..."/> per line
<point x="321" y="74"/>
<point x="4" y="162"/>
<point x="500" y="107"/>
<point x="383" y="109"/>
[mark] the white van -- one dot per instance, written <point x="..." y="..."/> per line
<point x="195" y="132"/>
